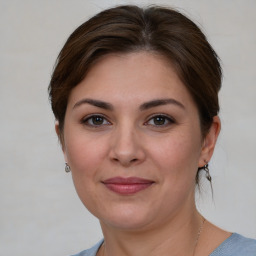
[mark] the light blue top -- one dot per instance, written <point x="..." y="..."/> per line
<point x="235" y="245"/>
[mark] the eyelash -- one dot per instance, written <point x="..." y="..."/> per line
<point x="167" y="121"/>
<point x="86" y="121"/>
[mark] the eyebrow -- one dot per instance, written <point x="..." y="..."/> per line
<point x="160" y="102"/>
<point x="144" y="106"/>
<point x="96" y="103"/>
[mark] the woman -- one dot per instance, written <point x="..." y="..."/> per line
<point x="135" y="96"/>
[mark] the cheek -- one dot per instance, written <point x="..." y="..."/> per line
<point x="177" y="156"/>
<point x="85" y="155"/>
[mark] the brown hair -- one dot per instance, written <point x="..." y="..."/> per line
<point x="127" y="29"/>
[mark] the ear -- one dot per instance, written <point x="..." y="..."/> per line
<point x="57" y="128"/>
<point x="210" y="142"/>
<point x="60" y="136"/>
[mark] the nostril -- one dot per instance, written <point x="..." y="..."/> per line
<point x="125" y="161"/>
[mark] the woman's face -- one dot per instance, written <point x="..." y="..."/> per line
<point x="133" y="141"/>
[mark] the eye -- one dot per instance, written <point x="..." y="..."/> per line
<point x="160" y="120"/>
<point x="95" y="120"/>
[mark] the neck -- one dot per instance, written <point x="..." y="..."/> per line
<point x="178" y="236"/>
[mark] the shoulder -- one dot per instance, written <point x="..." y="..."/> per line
<point x="90" y="252"/>
<point x="236" y="245"/>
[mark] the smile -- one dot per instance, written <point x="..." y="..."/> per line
<point x="127" y="186"/>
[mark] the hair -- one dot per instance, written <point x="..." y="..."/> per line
<point x="127" y="29"/>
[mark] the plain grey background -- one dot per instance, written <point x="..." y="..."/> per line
<point x="40" y="212"/>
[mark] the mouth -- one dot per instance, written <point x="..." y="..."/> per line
<point x="127" y="186"/>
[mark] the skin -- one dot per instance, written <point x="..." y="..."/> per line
<point x="128" y="137"/>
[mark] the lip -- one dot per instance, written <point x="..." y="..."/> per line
<point x="127" y="186"/>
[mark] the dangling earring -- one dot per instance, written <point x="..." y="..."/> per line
<point x="207" y="173"/>
<point x="67" y="167"/>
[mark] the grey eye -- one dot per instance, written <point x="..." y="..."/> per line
<point x="95" y="120"/>
<point x="160" y="120"/>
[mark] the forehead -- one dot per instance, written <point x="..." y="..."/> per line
<point x="133" y="76"/>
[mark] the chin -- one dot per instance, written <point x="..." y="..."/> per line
<point x="125" y="217"/>
<point x="127" y="224"/>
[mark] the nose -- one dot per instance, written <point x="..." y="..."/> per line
<point x="127" y="147"/>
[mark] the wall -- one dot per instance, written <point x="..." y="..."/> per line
<point x="40" y="211"/>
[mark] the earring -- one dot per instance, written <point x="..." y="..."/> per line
<point x="207" y="173"/>
<point x="67" y="167"/>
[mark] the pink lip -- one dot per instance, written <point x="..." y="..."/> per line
<point x="127" y="186"/>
